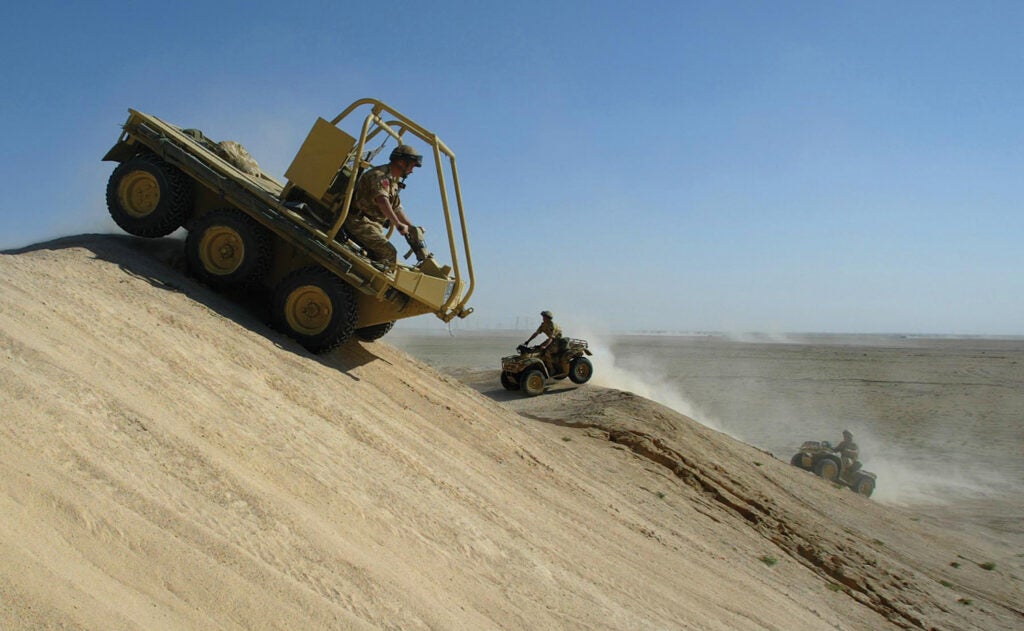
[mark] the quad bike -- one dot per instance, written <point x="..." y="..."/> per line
<point x="820" y="458"/>
<point x="530" y="369"/>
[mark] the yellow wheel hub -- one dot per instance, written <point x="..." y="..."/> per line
<point x="221" y="250"/>
<point x="308" y="310"/>
<point x="535" y="382"/>
<point x="139" y="193"/>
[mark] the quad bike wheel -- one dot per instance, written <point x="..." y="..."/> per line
<point x="228" y="249"/>
<point x="315" y="308"/>
<point x="865" y="486"/>
<point x="508" y="380"/>
<point x="148" y="197"/>
<point x="580" y="370"/>
<point x="828" y="469"/>
<point x="374" y="332"/>
<point x="797" y="461"/>
<point x="532" y="382"/>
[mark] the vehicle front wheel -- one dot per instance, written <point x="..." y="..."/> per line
<point x="865" y="486"/>
<point x="147" y="197"/>
<point x="509" y="381"/>
<point x="797" y="461"/>
<point x="228" y="249"/>
<point x="532" y="382"/>
<point x="828" y="469"/>
<point x="316" y="308"/>
<point x="580" y="370"/>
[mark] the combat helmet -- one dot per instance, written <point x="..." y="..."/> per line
<point x="408" y="153"/>
<point x="546" y="314"/>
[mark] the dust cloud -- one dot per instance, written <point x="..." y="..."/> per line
<point x="912" y="476"/>
<point x="650" y="384"/>
<point x="774" y="392"/>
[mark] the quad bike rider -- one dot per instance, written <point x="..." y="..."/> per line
<point x="838" y="464"/>
<point x="557" y="357"/>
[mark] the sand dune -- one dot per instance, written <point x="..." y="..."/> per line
<point x="169" y="462"/>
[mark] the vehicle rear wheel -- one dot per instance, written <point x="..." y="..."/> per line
<point x="374" y="332"/>
<point x="828" y="469"/>
<point x="509" y="381"/>
<point x="865" y="486"/>
<point x="580" y="370"/>
<point x="228" y="249"/>
<point x="147" y="197"/>
<point x="532" y="382"/>
<point x="316" y="308"/>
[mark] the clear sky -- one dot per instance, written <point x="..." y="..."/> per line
<point x="816" y="166"/>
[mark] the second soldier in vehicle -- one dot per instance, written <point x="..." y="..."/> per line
<point x="376" y="201"/>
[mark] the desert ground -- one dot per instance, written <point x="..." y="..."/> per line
<point x="170" y="462"/>
<point x="937" y="418"/>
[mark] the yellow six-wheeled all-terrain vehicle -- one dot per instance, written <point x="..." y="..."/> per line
<point x="248" y="231"/>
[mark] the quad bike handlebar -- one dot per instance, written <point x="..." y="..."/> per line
<point x="523" y="349"/>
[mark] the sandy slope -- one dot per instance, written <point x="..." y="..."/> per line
<point x="167" y="462"/>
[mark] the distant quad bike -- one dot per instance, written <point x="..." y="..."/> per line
<point x="818" y="457"/>
<point x="531" y="368"/>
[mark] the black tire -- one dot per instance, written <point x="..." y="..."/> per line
<point x="374" y="332"/>
<point x="865" y="486"/>
<point x="228" y="249"/>
<point x="315" y="308"/>
<point x="827" y="468"/>
<point x="532" y="382"/>
<point x="797" y="461"/>
<point x="147" y="197"/>
<point x="580" y="370"/>
<point x="509" y="381"/>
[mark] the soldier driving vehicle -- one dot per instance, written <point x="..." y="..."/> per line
<point x="821" y="458"/>
<point x="318" y="242"/>
<point x="553" y="343"/>
<point x="377" y="204"/>
<point x="557" y="357"/>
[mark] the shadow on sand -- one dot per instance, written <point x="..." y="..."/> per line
<point x="161" y="263"/>
<point x="487" y="383"/>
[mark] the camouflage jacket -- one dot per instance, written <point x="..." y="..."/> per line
<point x="376" y="181"/>
<point x="849" y="449"/>
<point x="550" y="329"/>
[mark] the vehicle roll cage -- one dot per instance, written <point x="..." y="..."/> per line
<point x="396" y="126"/>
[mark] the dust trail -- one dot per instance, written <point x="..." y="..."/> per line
<point x="910" y="476"/>
<point x="648" y="384"/>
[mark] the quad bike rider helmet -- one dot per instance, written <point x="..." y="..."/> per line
<point x="406" y="152"/>
<point x="546" y="314"/>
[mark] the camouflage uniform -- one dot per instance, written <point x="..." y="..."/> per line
<point x="849" y="452"/>
<point x="550" y="329"/>
<point x="554" y="349"/>
<point x="365" y="221"/>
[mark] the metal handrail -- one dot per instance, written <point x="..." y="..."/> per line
<point x="406" y="124"/>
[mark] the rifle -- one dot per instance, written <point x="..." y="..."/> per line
<point x="417" y="244"/>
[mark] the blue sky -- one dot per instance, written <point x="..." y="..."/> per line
<point x="688" y="166"/>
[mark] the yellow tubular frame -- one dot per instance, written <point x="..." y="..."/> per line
<point x="405" y="124"/>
